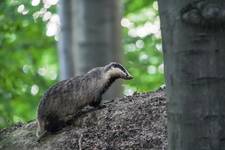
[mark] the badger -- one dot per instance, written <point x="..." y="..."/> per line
<point x="64" y="99"/>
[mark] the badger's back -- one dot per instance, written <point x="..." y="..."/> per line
<point x="61" y="99"/>
<point x="67" y="96"/>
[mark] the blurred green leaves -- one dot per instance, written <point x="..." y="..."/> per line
<point x="131" y="6"/>
<point x="24" y="51"/>
<point x="142" y="45"/>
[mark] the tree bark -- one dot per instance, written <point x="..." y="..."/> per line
<point x="90" y="36"/>
<point x="193" y="36"/>
<point x="65" y="43"/>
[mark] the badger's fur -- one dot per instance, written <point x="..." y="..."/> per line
<point x="65" y="98"/>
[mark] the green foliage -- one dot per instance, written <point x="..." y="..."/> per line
<point x="142" y="45"/>
<point x="131" y="6"/>
<point x="29" y="62"/>
<point x="25" y="51"/>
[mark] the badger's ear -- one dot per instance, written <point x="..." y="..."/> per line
<point x="113" y="63"/>
<point x="109" y="66"/>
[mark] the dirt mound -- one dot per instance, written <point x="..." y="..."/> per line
<point x="132" y="122"/>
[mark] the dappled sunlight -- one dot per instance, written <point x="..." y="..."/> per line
<point x="152" y="69"/>
<point x="143" y="47"/>
<point x="42" y="71"/>
<point x="149" y="23"/>
<point x="147" y="29"/>
<point x="26" y="68"/>
<point x="158" y="47"/>
<point x="130" y="48"/>
<point x="125" y="22"/>
<point x="22" y="10"/>
<point x="140" y="44"/>
<point x="52" y="75"/>
<point x="48" y="3"/>
<point x="35" y="2"/>
<point x="51" y="19"/>
<point x="47" y="16"/>
<point x="143" y="57"/>
<point x="48" y="72"/>
<point x="34" y="89"/>
<point x="53" y="25"/>
<point x="161" y="68"/>
<point x="129" y="90"/>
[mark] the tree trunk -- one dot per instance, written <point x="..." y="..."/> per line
<point x="194" y="52"/>
<point x="93" y="29"/>
<point x="65" y="44"/>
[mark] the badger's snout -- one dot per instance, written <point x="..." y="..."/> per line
<point x="128" y="77"/>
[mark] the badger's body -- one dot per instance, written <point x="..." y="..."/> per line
<point x="64" y="99"/>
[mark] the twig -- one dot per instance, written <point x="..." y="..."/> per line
<point x="80" y="148"/>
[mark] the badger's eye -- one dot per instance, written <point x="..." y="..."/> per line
<point x="113" y="66"/>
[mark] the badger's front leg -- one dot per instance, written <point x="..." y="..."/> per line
<point x="97" y="103"/>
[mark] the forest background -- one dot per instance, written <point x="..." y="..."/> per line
<point x="29" y="61"/>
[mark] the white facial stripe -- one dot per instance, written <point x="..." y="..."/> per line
<point x="117" y="71"/>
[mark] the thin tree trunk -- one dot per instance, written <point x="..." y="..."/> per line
<point x="97" y="35"/>
<point x="94" y="37"/>
<point x="65" y="44"/>
<point x="193" y="35"/>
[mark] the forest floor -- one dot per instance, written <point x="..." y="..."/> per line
<point x="132" y="122"/>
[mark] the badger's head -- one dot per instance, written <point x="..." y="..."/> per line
<point x="115" y="70"/>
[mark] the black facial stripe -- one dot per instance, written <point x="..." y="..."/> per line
<point x="120" y="67"/>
